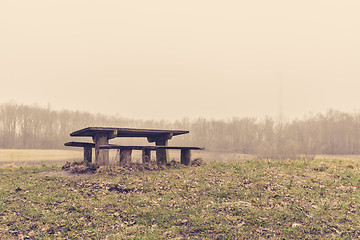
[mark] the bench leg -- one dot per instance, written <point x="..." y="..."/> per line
<point x="117" y="157"/>
<point x="125" y="157"/>
<point x="101" y="155"/>
<point x="146" y="156"/>
<point x="162" y="155"/>
<point x="185" y="156"/>
<point x="88" y="154"/>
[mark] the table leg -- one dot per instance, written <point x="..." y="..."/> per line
<point x="162" y="155"/>
<point x="101" y="155"/>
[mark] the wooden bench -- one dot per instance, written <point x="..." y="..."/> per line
<point x="87" y="148"/>
<point x="125" y="153"/>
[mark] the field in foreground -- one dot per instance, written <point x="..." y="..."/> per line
<point x="317" y="199"/>
<point x="18" y="157"/>
<point x="37" y="156"/>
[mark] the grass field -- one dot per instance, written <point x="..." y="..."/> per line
<point x="317" y="199"/>
<point x="20" y="157"/>
<point x="34" y="156"/>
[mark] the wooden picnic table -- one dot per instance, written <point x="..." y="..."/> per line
<point x="102" y="135"/>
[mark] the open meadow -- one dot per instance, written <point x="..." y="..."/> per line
<point x="312" y="199"/>
<point x="18" y="157"/>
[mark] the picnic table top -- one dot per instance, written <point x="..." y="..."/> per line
<point x="125" y="132"/>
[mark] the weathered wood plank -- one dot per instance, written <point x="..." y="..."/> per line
<point x="101" y="155"/>
<point x="160" y="137"/>
<point x="126" y="132"/>
<point x="79" y="144"/>
<point x="115" y="146"/>
<point x="176" y="147"/>
<point x="136" y="147"/>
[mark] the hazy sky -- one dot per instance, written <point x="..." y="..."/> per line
<point x="173" y="59"/>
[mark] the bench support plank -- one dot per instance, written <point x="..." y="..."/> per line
<point x="125" y="157"/>
<point x="146" y="156"/>
<point x="185" y="156"/>
<point x="88" y="154"/>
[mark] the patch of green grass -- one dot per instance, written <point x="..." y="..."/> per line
<point x="317" y="199"/>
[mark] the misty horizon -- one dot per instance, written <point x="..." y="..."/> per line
<point x="24" y="127"/>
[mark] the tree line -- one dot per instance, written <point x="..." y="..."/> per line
<point x="333" y="132"/>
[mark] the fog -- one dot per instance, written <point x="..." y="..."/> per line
<point x="170" y="60"/>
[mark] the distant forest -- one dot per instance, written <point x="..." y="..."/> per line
<point x="34" y="127"/>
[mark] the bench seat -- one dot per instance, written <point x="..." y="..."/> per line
<point x="175" y="147"/>
<point x="126" y="147"/>
<point x="80" y="144"/>
<point x="87" y="148"/>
